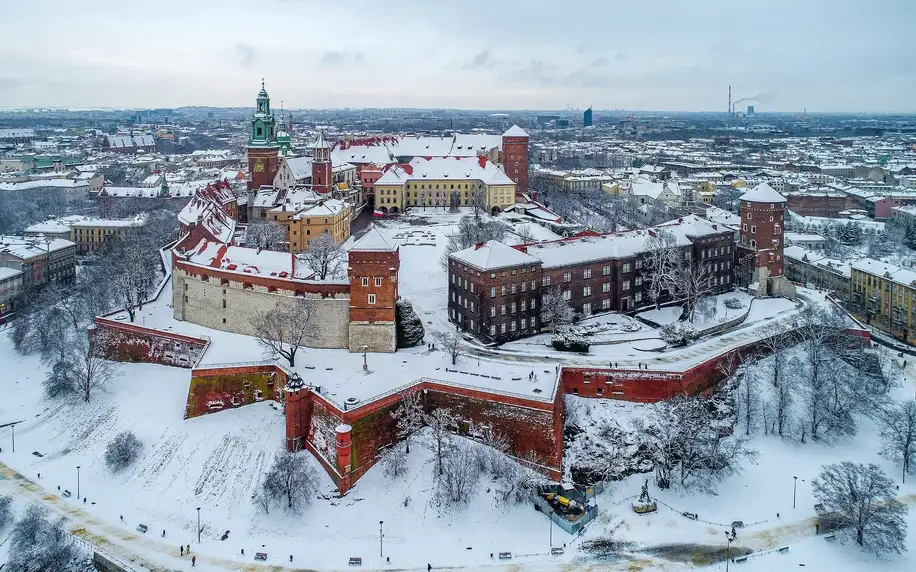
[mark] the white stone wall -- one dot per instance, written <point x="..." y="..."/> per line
<point x="378" y="337"/>
<point x="199" y="302"/>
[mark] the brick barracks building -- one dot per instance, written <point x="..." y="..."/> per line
<point x="495" y="290"/>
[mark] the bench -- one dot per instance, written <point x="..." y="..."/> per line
<point x="67" y="494"/>
<point x="556" y="551"/>
<point x="690" y="515"/>
<point x="740" y="560"/>
<point x="260" y="556"/>
<point x="505" y="556"/>
<point x="355" y="561"/>
<point x="142" y="528"/>
<point x="784" y="549"/>
<point x="830" y="537"/>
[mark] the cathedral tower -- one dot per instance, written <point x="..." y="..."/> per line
<point x="263" y="149"/>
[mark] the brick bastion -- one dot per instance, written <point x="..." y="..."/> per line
<point x="349" y="439"/>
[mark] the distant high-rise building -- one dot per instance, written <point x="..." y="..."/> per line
<point x="750" y="110"/>
<point x="587" y="118"/>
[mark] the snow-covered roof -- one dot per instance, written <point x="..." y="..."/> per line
<point x="374" y="240"/>
<point x="8" y="273"/>
<point x="492" y="255"/>
<point x="446" y="168"/>
<point x="26" y="247"/>
<point x="129" y="141"/>
<point x="16" y="133"/>
<point x="885" y="270"/>
<point x="321" y="143"/>
<point x="626" y="244"/>
<point x="654" y="190"/>
<point x="330" y="207"/>
<point x="64" y="224"/>
<point x="762" y="193"/>
<point x="241" y="259"/>
<point x="43" y="184"/>
<point x="515" y="131"/>
<point x="301" y="167"/>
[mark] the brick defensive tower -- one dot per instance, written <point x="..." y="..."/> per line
<point x="374" y="262"/>
<point x="515" y="157"/>
<point x="761" y="237"/>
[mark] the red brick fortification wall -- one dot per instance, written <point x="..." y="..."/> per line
<point x="315" y="424"/>
<point x="132" y="343"/>
<point x="219" y="388"/>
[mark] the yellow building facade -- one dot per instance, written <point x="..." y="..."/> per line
<point x="330" y="217"/>
<point x="442" y="182"/>
<point x="884" y="296"/>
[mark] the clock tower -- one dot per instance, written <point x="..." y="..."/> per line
<point x="263" y="149"/>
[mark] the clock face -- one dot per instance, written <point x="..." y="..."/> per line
<point x="258" y="166"/>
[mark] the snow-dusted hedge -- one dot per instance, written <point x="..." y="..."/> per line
<point x="570" y="342"/>
<point x="679" y="333"/>
<point x="733" y="303"/>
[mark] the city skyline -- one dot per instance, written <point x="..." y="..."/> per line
<point x="661" y="55"/>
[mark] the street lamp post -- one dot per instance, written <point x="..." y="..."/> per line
<point x="794" y="487"/>
<point x="550" y="529"/>
<point x="77" y="481"/>
<point x="365" y="363"/>
<point x="728" y="549"/>
<point x="198" y="525"/>
<point x="380" y="537"/>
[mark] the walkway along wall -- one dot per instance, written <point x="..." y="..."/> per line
<point x="133" y="343"/>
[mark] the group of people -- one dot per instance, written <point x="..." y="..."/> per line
<point x="182" y="550"/>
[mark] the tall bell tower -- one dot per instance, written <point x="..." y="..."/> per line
<point x="322" y="171"/>
<point x="263" y="149"/>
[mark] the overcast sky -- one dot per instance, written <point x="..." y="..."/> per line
<point x="825" y="55"/>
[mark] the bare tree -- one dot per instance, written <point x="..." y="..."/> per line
<point x="450" y="341"/>
<point x="685" y="440"/>
<point x="458" y="475"/>
<point x="693" y="281"/>
<point x="555" y="309"/>
<point x="660" y="264"/>
<point x="472" y="230"/>
<point x="477" y="198"/>
<point x="395" y="460"/>
<point x="38" y="543"/>
<point x="440" y="423"/>
<point x="323" y="256"/>
<point x="898" y="434"/>
<point x="84" y="369"/>
<point x="131" y="265"/>
<point x="290" y="479"/>
<point x="409" y="415"/>
<point x="862" y="499"/>
<point x="524" y="233"/>
<point x="750" y="398"/>
<point x="265" y="234"/>
<point x="282" y="331"/>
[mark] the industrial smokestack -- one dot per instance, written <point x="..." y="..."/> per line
<point x="729" y="100"/>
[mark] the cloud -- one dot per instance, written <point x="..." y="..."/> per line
<point x="600" y="61"/>
<point x="535" y="72"/>
<point x="246" y="54"/>
<point x="481" y="60"/>
<point x="330" y="59"/>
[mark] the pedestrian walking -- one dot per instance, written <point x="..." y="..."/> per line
<point x="243" y="552"/>
<point x="181" y="548"/>
<point x="193" y="561"/>
<point x="188" y="549"/>
<point x="163" y="533"/>
<point x="429" y="567"/>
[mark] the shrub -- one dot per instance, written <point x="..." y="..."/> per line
<point x="122" y="451"/>
<point x="570" y="342"/>
<point x="733" y="303"/>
